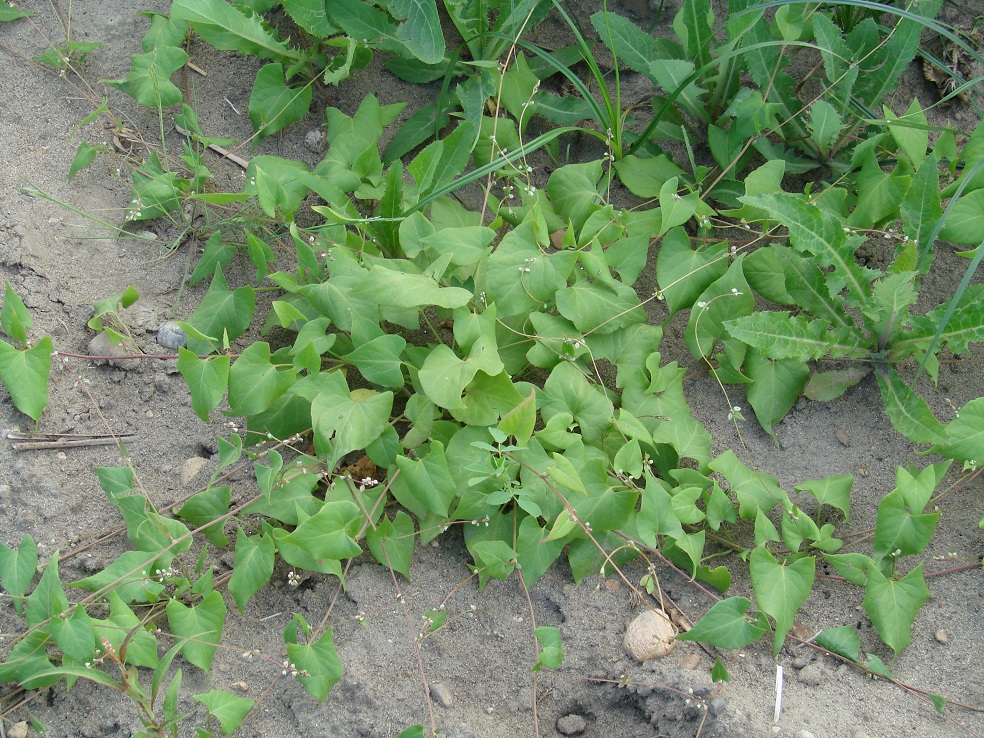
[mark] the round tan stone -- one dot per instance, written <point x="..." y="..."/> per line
<point x="650" y="636"/>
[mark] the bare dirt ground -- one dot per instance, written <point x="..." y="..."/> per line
<point x="477" y="667"/>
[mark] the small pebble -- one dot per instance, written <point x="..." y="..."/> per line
<point x="18" y="730"/>
<point x="170" y="336"/>
<point x="811" y="675"/>
<point x="717" y="705"/>
<point x="440" y="694"/>
<point x="845" y="440"/>
<point x="942" y="636"/>
<point x="314" y="141"/>
<point x="162" y="382"/>
<point x="691" y="662"/>
<point x="800" y="661"/>
<point x="806" y="734"/>
<point x="190" y="468"/>
<point x="572" y="724"/>
<point x="100" y="345"/>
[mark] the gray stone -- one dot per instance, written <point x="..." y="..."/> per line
<point x="811" y="675"/>
<point x="315" y="141"/>
<point x="170" y="336"/>
<point x="162" y="382"/>
<point x="572" y="724"/>
<point x="717" y="705"/>
<point x="440" y="694"/>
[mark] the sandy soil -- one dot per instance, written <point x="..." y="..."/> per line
<point x="477" y="667"/>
